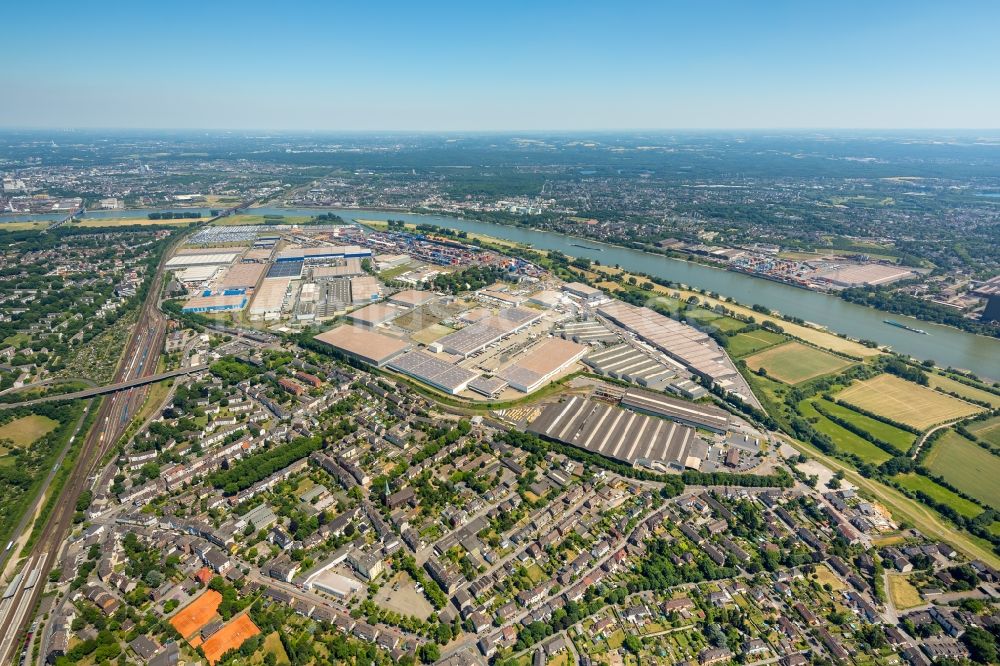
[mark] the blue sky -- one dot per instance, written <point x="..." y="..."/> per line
<point x="501" y="65"/>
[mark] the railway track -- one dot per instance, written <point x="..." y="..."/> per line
<point x="22" y="595"/>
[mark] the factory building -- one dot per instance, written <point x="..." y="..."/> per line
<point x="364" y="344"/>
<point x="542" y="364"/>
<point x="615" y="433"/>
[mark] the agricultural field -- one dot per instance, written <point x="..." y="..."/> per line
<point x="743" y="344"/>
<point x="845" y="440"/>
<point x="972" y="393"/>
<point x="987" y="431"/>
<point x="906" y="402"/>
<point x="966" y="466"/>
<point x="916" y="482"/>
<point x="794" y="362"/>
<point x="26" y="430"/>
<point x="900" y="439"/>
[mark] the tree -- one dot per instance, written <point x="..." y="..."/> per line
<point x="429" y="653"/>
<point x="982" y="646"/>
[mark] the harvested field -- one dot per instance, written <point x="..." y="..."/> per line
<point x="966" y="466"/>
<point x="794" y="362"/>
<point x="229" y="637"/>
<point x="971" y="392"/>
<point x="197" y="614"/>
<point x="903" y="594"/>
<point x="906" y="402"/>
<point x="916" y="482"/>
<point x="987" y="431"/>
<point x="27" y="429"/>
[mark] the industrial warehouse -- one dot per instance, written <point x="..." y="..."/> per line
<point x="612" y="432"/>
<point x="685" y="344"/>
<point x="365" y="345"/>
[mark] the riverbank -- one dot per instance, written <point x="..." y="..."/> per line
<point x="946" y="345"/>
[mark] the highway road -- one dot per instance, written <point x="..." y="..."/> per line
<point x="111" y="388"/>
<point x="138" y="362"/>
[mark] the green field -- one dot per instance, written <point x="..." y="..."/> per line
<point x="794" y="362"/>
<point x="987" y="431"/>
<point x="900" y="439"/>
<point x="845" y="440"/>
<point x="27" y="429"/>
<point x="966" y="466"/>
<point x="906" y="402"/>
<point x="711" y="318"/>
<point x="914" y="481"/>
<point x="952" y="386"/>
<point x="748" y="343"/>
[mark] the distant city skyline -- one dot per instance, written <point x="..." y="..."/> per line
<point x="520" y="67"/>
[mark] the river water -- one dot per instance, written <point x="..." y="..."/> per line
<point x="945" y="345"/>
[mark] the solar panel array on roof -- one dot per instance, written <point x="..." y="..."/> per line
<point x="615" y="433"/>
<point x="478" y="336"/>
<point x="488" y="386"/>
<point x="680" y="341"/>
<point x="289" y="269"/>
<point x="434" y="371"/>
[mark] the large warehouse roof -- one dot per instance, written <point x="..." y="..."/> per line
<point x="376" y="313"/>
<point x="696" y="414"/>
<point x="362" y="343"/>
<point x="218" y="258"/>
<point x="242" y="275"/>
<point x="616" y="433"/>
<point x="411" y="297"/>
<point x="270" y="296"/>
<point x="485" y="332"/>
<point x="685" y="343"/>
<point x="543" y="362"/>
<point x="434" y="371"/>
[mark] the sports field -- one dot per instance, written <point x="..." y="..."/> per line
<point x="900" y="439"/>
<point x="794" y="362"/>
<point x="906" y="402"/>
<point x="987" y="431"/>
<point x="197" y="614"/>
<point x="966" y="466"/>
<point x="748" y="343"/>
<point x="230" y="636"/>
<point x="845" y="440"/>
<point x="915" y="482"/>
<point x="27" y="429"/>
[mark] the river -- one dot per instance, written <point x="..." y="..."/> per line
<point x="945" y="345"/>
